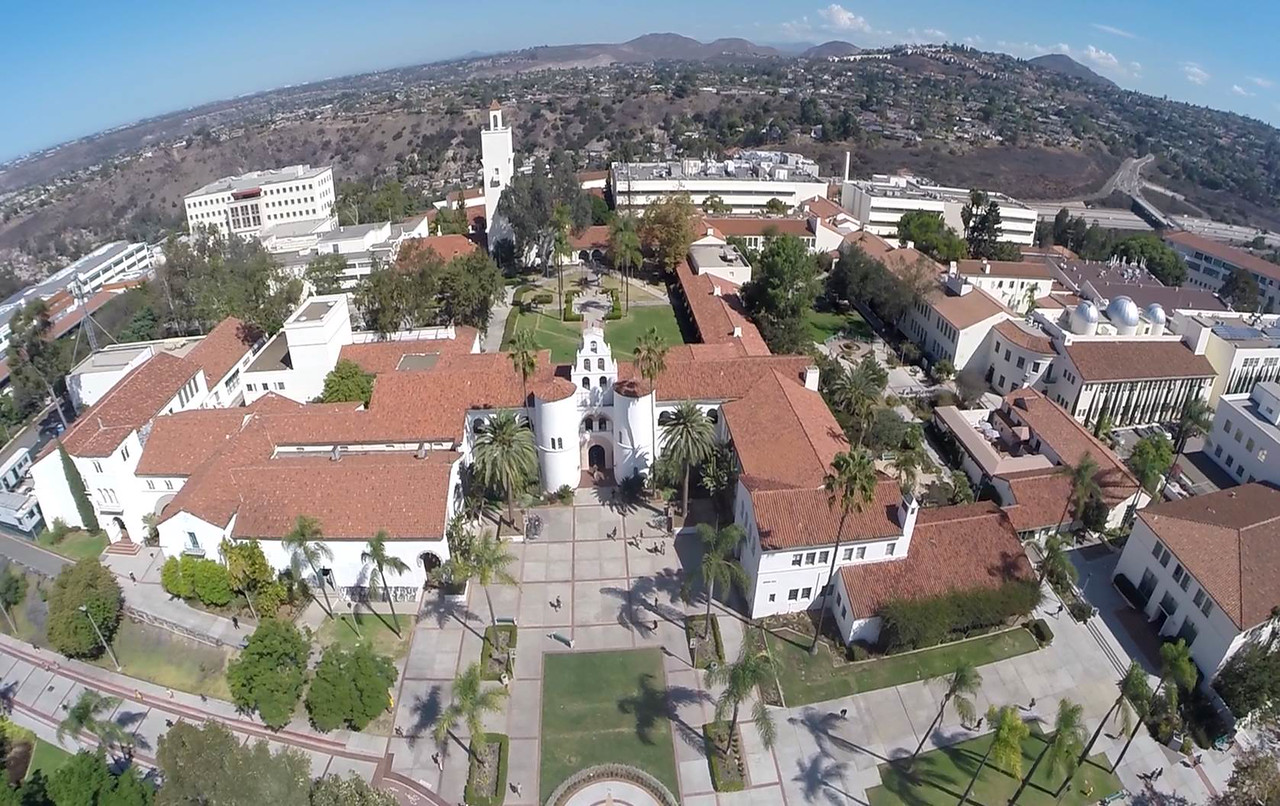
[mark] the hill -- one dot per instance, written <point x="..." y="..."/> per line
<point x="642" y="49"/>
<point x="1067" y="66"/>
<point x="830" y="50"/>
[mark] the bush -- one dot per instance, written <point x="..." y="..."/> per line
<point x="1040" y="629"/>
<point x="543" y="298"/>
<point x="268" y="599"/>
<point x="88" y="584"/>
<point x="350" y="688"/>
<point x="58" y="530"/>
<point x="476" y="798"/>
<point x="1250" y="681"/>
<point x="569" y="315"/>
<point x="13" y="587"/>
<point x="615" y="309"/>
<point x="269" y="674"/>
<point x="722" y="780"/>
<point x="1081" y="611"/>
<point x="564" y="495"/>
<point x="174" y="582"/>
<point x="909" y="624"/>
<point x="212" y="583"/>
<point x="858" y="651"/>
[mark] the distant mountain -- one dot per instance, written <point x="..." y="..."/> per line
<point x="648" y="48"/>
<point x="1067" y="66"/>
<point x="830" y="50"/>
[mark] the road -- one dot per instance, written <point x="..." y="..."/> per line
<point x="1106" y="217"/>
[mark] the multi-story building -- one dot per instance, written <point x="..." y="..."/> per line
<point x="1245" y="438"/>
<point x="244" y="204"/>
<point x="1017" y="284"/>
<point x="1210" y="263"/>
<point x="1244" y="349"/>
<point x="746" y="182"/>
<point x="952" y="323"/>
<point x="879" y="203"/>
<point x="1205" y="569"/>
<point x="813" y="231"/>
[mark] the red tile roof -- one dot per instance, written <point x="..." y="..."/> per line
<point x="965" y="310"/>
<point x="1236" y="257"/>
<point x="219" y="351"/>
<point x="446" y="246"/>
<point x="596" y="237"/>
<point x="180" y="443"/>
<point x="1137" y="360"/>
<point x="716" y="316"/>
<point x="690" y="377"/>
<point x="823" y="208"/>
<point x="389" y="356"/>
<point x="789" y="519"/>
<point x="896" y="259"/>
<point x="952" y="548"/>
<point x="1022" y="269"/>
<point x="128" y="406"/>
<point x="1028" y="341"/>
<point x="759" y="226"/>
<point x="785" y="435"/>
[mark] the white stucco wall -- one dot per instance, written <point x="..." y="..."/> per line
<point x="53" y="492"/>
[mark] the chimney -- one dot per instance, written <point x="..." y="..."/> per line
<point x="811" y="377"/>
<point x="715" y="291"/>
<point x="710" y="230"/>
<point x="421" y="453"/>
<point x="737" y="331"/>
<point x="335" y="455"/>
<point x="907" y="512"/>
<point x="986" y="266"/>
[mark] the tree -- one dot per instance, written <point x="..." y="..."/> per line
<point x="850" y="485"/>
<point x="471" y="701"/>
<point x="1195" y="419"/>
<point x="981" y="218"/>
<point x="931" y="236"/>
<point x="207" y="764"/>
<point x="1255" y="780"/>
<point x="347" y="383"/>
<point x="325" y="273"/>
<point x="524" y="359"/>
<point x="1084" y="487"/>
<point x="91" y="714"/>
<point x="856" y="392"/>
<point x="305" y="544"/>
<point x="37" y="362"/>
<point x="713" y="204"/>
<point x="88" y="518"/>
<point x="1176" y="667"/>
<point x="625" y="254"/>
<point x="666" y="229"/>
<point x="384" y="297"/>
<point x="1250" y="681"/>
<point x="529" y="203"/>
<point x="1240" y="291"/>
<point x="943" y="370"/>
<point x="776" y="206"/>
<point x="740" y="680"/>
<point x="650" y="356"/>
<point x="1056" y="565"/>
<point x="248" y="571"/>
<point x="961" y="490"/>
<point x="717" y="566"/>
<point x="1157" y="256"/>
<point x="453" y="220"/>
<point x="504" y="456"/>
<point x="1068" y="738"/>
<point x="1151" y="459"/>
<point x="963" y="685"/>
<point x="129" y="789"/>
<point x="483" y="559"/>
<point x="718" y="476"/>
<point x="687" y="440"/>
<point x="910" y="458"/>
<point x="83" y="779"/>
<point x="350" y="791"/>
<point x="375" y="554"/>
<point x="90" y="585"/>
<point x="270" y="672"/>
<point x="211" y="582"/>
<point x="781" y="292"/>
<point x="1005" y="750"/>
<point x="350" y="687"/>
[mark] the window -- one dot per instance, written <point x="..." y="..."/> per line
<point x="1021" y="362"/>
<point x="280" y="385"/>
<point x="848" y="555"/>
<point x="1198" y="599"/>
<point x="603" y="381"/>
<point x="811" y="558"/>
<point x="1001" y="384"/>
<point x="1248" y="445"/>
<point x="844" y="611"/>
<point x="586" y="363"/>
<point x="793" y="594"/>
<point x="249" y="387"/>
<point x="594" y="347"/>
<point x="1161" y="554"/>
<point x="600" y="363"/>
<point x="1006" y="355"/>
<point x="168" y="484"/>
<point x="586" y="383"/>
<point x="1227" y="426"/>
<point x="1218" y="451"/>
<point x="1168" y="604"/>
<point x="192" y="541"/>
<point x="1207" y="607"/>
<point x="151" y="485"/>
<point x="97" y="466"/>
<point x="807" y="593"/>
<point x="890" y="549"/>
<point x="1239" y="434"/>
<point x="1178" y="572"/>
<point x="822" y="558"/>
<point x="862" y="552"/>
<point x="587" y="424"/>
<point x="773" y="597"/>
<point x="796" y="559"/>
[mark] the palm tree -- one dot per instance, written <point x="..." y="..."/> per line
<point x="856" y="391"/>
<point x="1005" y="750"/>
<point x="561" y="248"/>
<point x="651" y="359"/>
<point x="305" y="544"/>
<point x="524" y="359"/>
<point x="1056" y="565"/>
<point x="687" y="437"/>
<point x="740" y="680"/>
<point x="375" y="554"/>
<point x="504" y="455"/>
<point x="485" y="561"/>
<point x="850" y="485"/>
<point x="624" y="251"/>
<point x="911" y="458"/>
<point x="1134" y="696"/>
<point x="717" y="476"/>
<point x="1068" y="738"/>
<point x="471" y="701"/>
<point x="1195" y="420"/>
<point x="963" y="685"/>
<point x="91" y="714"/>
<point x="1151" y="459"/>
<point x="1176" y="667"/>
<point x="1084" y="487"/>
<point x="718" y="566"/>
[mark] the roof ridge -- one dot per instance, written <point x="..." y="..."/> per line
<point x="791" y="407"/>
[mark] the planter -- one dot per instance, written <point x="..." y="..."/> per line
<point x="724" y="755"/>
<point x="496" y="652"/>
<point x="487" y="772"/>
<point x="455" y="593"/>
<point x="703" y="651"/>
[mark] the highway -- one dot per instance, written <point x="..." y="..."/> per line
<point x="1106" y="217"/>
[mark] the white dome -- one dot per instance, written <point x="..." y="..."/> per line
<point x="1086" y="311"/>
<point x="1123" y="312"/>
<point x="1155" y="313"/>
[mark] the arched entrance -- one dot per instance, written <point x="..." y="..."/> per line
<point x="119" y="531"/>
<point x="430" y="562"/>
<point x="596" y="457"/>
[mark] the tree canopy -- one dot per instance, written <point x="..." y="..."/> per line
<point x="931" y="236"/>
<point x="269" y="674"/>
<point x="423" y="290"/>
<point x="89" y="584"/>
<point x="666" y="229"/>
<point x="529" y="203"/>
<point x="781" y="292"/>
<point x="350" y="688"/>
<point x="324" y="273"/>
<point x="208" y="764"/>
<point x="347" y="383"/>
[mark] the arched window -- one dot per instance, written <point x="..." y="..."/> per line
<point x="587" y="424"/>
<point x="600" y="363"/>
<point x="586" y="383"/>
<point x="586" y="363"/>
<point x="603" y="381"/>
<point x="594" y="347"/>
<point x="604" y="424"/>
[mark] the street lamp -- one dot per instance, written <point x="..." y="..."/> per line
<point x="84" y="609"/>
<point x="9" y="618"/>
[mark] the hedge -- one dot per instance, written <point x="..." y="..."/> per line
<point x="908" y="624"/>
<point x="491" y="641"/>
<point x="474" y="798"/>
<point x="615" y="308"/>
<point x="569" y="314"/>
<point x="719" y="781"/>
<point x="1040" y="629"/>
<point x="694" y="623"/>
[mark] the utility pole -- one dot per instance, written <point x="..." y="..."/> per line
<point x="84" y="609"/>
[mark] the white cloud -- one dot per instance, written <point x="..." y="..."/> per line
<point x="1111" y="29"/>
<point x="1195" y="73"/>
<point x="973" y="41"/>
<point x="927" y="35"/>
<point x="935" y="33"/>
<point x="1265" y="83"/>
<point x="1102" y="59"/>
<point x="839" y="18"/>
<point x="1239" y="90"/>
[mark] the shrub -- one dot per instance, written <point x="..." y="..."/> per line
<point x="858" y="651"/>
<point x="174" y="582"/>
<point x="58" y="530"/>
<point x="350" y="688"/>
<point x="543" y="298"/>
<point x="269" y="598"/>
<point x="1081" y="611"/>
<point x="615" y="308"/>
<point x="1250" y="681"/>
<point x="13" y="587"/>
<point x="212" y="584"/>
<point x="917" y="623"/>
<point x="269" y="674"/>
<point x="90" y="584"/>
<point x="722" y="780"/>
<point x="1040" y="629"/>
<point x="88" y="519"/>
<point x="495" y="798"/>
<point x="569" y="315"/>
<point x="564" y="495"/>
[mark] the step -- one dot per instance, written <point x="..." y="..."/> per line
<point x="125" y="547"/>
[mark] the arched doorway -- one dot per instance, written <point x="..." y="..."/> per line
<point x="596" y="457"/>
<point x="430" y="562"/>
<point x="118" y="527"/>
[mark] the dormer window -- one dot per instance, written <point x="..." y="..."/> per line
<point x="594" y="347"/>
<point x="600" y="363"/>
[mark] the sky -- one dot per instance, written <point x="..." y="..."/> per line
<point x="69" y="68"/>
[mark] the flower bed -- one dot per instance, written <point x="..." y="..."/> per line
<point x="724" y="754"/>
<point x="704" y="646"/>
<point x="495" y="653"/>
<point x="487" y="773"/>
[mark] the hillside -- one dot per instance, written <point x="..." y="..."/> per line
<point x="1067" y="66"/>
<point x="830" y="50"/>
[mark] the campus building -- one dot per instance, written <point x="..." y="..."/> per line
<point x="1244" y="349"/>
<point x="879" y="203"/>
<point x="1210" y="263"/>
<point x="1245" y="437"/>
<point x="746" y="182"/>
<point x="246" y="203"/>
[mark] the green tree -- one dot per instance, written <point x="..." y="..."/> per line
<point x="963" y="685"/>
<point x="524" y="359"/>
<point x="687" y="440"/>
<point x="350" y="687"/>
<point x="384" y="297"/>
<point x="1159" y="258"/>
<point x="83" y="779"/>
<point x="529" y="204"/>
<point x="666" y="230"/>
<point x="128" y="789"/>
<point x="86" y="584"/>
<point x="717" y="567"/>
<point x="1084" y="488"/>
<point x="1195" y="419"/>
<point x="37" y="362"/>
<point x="1176" y="667"/>
<point x="207" y="764"/>
<point x="781" y="292"/>
<point x="1151" y="459"/>
<point x="1056" y="566"/>
<point x="325" y="273"/>
<point x="471" y="701"/>
<point x="909" y="458"/>
<point x="943" y="370"/>
<point x="211" y="583"/>
<point x="718" y="476"/>
<point x="1134" y="699"/>
<point x="982" y="225"/>
<point x="650" y="356"/>
<point x="483" y="559"/>
<point x="1249" y="681"/>
<point x="931" y="236"/>
<point x="1240" y="290"/>
<point x="776" y="206"/>
<point x="625" y="254"/>
<point x="375" y="554"/>
<point x="961" y="490"/>
<point x="13" y="587"/>
<point x="143" y="326"/>
<point x="504" y="456"/>
<point x="850" y="486"/>
<point x="1061" y="750"/>
<point x="249" y="572"/>
<point x="740" y="680"/>
<point x="347" y="383"/>
<point x="1255" y="780"/>
<point x="713" y="204"/>
<point x="462" y="293"/>
<point x="88" y="518"/>
<point x="452" y="220"/>
<point x="1005" y="750"/>
<point x="174" y="582"/>
<point x="306" y="546"/>
<point x="855" y="392"/>
<point x="270" y="672"/>
<point x="350" y="791"/>
<point x="91" y="714"/>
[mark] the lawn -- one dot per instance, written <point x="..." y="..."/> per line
<point x="561" y="338"/>
<point x="76" y="545"/>
<point x="549" y="333"/>
<point x="623" y="334"/>
<point x="940" y="777"/>
<point x="375" y="630"/>
<point x="166" y="659"/>
<point x="601" y="707"/>
<point x="825" y="324"/>
<point x="47" y="757"/>
<point x="815" y="678"/>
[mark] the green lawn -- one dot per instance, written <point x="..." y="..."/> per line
<point x="622" y="334"/>
<point x="549" y="333"/>
<point x="940" y="777"/>
<point x="601" y="707"/>
<point x="47" y="757"/>
<point x="375" y="630"/>
<point x="825" y="324"/>
<point x="815" y="678"/>
<point x="167" y="659"/>
<point x="561" y="338"/>
<point x="76" y="545"/>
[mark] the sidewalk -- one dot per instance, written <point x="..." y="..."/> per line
<point x="491" y="340"/>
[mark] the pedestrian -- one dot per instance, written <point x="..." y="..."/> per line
<point x="133" y="578"/>
<point x="518" y="789"/>
<point x="1061" y="607"/>
<point x="435" y="759"/>
<point x="654" y="626"/>
<point x="1159" y="773"/>
<point x="557" y="605"/>
<point x="169" y="691"/>
<point x="399" y="731"/>
<point x="978" y="726"/>
<point x="235" y="622"/>
<point x="137" y="693"/>
<point x="1032" y="705"/>
<point x="844" y="713"/>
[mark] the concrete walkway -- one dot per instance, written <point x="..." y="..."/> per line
<point x="491" y="340"/>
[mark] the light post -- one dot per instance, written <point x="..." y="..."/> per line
<point x="9" y="618"/>
<point x="84" y="609"/>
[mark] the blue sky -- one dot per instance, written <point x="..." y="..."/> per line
<point x="74" y="67"/>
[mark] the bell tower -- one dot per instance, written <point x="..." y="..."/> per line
<point x="497" y="155"/>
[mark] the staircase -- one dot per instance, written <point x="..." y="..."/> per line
<point x="126" y="547"/>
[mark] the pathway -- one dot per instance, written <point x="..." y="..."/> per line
<point x="491" y="341"/>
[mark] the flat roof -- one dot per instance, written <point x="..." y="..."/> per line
<point x="253" y="179"/>
<point x="418" y="361"/>
<point x="711" y="256"/>
<point x="1246" y="407"/>
<point x="274" y="357"/>
<point x="981" y="444"/>
<point x="914" y="187"/>
<point x="62" y="278"/>
<point x="741" y="169"/>
<point x="117" y="356"/>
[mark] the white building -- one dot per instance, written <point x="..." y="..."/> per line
<point x="497" y="156"/>
<point x="1244" y="349"/>
<point x="953" y="323"/>
<point x="1210" y="263"/>
<point x="1205" y="570"/>
<point x="1017" y="284"/>
<point x="746" y="182"/>
<point x="1245" y="438"/>
<point x="813" y="231"/>
<point x="245" y="204"/>
<point x="880" y="202"/>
